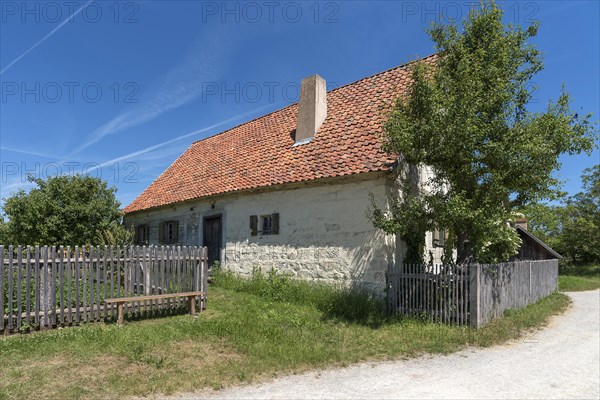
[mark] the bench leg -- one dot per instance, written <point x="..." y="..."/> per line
<point x="192" y="303"/>
<point x="119" y="313"/>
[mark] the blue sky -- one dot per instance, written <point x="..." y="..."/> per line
<point x="123" y="88"/>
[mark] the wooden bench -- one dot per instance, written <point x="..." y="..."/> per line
<point x="120" y="301"/>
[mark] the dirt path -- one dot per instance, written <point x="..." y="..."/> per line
<point x="561" y="361"/>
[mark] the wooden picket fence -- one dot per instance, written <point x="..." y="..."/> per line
<point x="471" y="294"/>
<point x="45" y="287"/>
<point x="438" y="292"/>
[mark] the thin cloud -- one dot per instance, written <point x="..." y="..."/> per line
<point x="181" y="85"/>
<point x="28" y="152"/>
<point x="42" y="40"/>
<point x="148" y="149"/>
<point x="19" y="183"/>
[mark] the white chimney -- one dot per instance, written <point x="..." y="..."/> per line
<point x="522" y="222"/>
<point x="312" y="108"/>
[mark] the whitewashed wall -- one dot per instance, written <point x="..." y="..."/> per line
<point x="324" y="232"/>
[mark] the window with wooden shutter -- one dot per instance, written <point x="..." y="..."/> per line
<point x="168" y="232"/>
<point x="142" y="234"/>
<point x="266" y="224"/>
<point x="253" y="225"/>
<point x="275" y="224"/>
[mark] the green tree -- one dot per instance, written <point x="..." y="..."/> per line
<point x="71" y="210"/>
<point x="4" y="238"/>
<point x="466" y="117"/>
<point x="572" y="228"/>
<point x="581" y="220"/>
<point x="545" y="221"/>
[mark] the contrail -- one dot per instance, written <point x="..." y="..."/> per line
<point x="196" y="132"/>
<point x="42" y="40"/>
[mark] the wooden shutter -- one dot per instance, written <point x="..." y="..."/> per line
<point x="146" y="234"/>
<point x="136" y="234"/>
<point x="161" y="232"/>
<point x="175" y="231"/>
<point x="253" y="225"/>
<point x="275" y="224"/>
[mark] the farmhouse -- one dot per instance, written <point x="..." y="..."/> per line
<point x="290" y="189"/>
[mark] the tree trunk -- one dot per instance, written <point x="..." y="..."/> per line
<point x="464" y="253"/>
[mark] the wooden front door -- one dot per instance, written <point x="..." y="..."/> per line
<point x="212" y="238"/>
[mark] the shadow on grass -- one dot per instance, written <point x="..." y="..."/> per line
<point x="141" y="314"/>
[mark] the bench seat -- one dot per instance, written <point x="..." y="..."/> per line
<point x="120" y="301"/>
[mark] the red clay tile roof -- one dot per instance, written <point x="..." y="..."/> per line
<point x="260" y="153"/>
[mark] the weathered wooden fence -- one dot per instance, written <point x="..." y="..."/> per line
<point x="468" y="295"/>
<point x="504" y="286"/>
<point x="439" y="292"/>
<point x="49" y="286"/>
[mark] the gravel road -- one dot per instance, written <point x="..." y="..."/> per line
<point x="561" y="361"/>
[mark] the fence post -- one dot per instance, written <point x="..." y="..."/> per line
<point x="2" y="288"/>
<point x="530" y="283"/>
<point x="46" y="290"/>
<point x="204" y="275"/>
<point x="474" y="294"/>
<point x="146" y="266"/>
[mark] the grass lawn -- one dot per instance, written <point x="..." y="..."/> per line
<point x="577" y="278"/>
<point x="252" y="330"/>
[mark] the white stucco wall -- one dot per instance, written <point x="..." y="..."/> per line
<point x="324" y="232"/>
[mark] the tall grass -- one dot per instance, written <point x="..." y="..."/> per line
<point x="351" y="304"/>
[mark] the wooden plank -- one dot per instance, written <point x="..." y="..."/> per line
<point x="177" y="273"/>
<point x="98" y="288"/>
<point x="148" y="277"/>
<point x="2" y="275"/>
<point x="44" y="289"/>
<point x="61" y="284"/>
<point x="204" y="286"/>
<point x="36" y="305"/>
<point x="69" y="273"/>
<point x="105" y="284"/>
<point x="84" y="283"/>
<point x="127" y="272"/>
<point x="134" y="280"/>
<point x="112" y="277"/>
<point x="168" y="270"/>
<point x="52" y="287"/>
<point x="183" y="269"/>
<point x="28" y="287"/>
<point x="154" y="297"/>
<point x="10" y="288"/>
<point x="164" y="273"/>
<point x="78" y="271"/>
<point x="189" y="268"/>
<point x="154" y="276"/>
<point x="118" y="269"/>
<point x="19" y="285"/>
<point x="138" y="276"/>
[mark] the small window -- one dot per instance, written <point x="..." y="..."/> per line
<point x="142" y="234"/>
<point x="168" y="232"/>
<point x="439" y="238"/>
<point x="266" y="224"/>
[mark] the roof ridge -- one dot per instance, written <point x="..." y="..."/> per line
<point x="331" y="91"/>
<point x="406" y="64"/>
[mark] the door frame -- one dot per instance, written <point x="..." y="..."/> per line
<point x="219" y="215"/>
